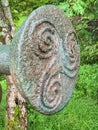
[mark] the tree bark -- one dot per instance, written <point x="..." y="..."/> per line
<point x="16" y="116"/>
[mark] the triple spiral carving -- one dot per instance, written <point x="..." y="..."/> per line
<point x="46" y="43"/>
<point x="46" y="46"/>
<point x="45" y="59"/>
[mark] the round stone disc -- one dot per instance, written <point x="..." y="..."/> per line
<point x="45" y="59"/>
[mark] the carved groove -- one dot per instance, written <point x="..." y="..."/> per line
<point x="46" y="42"/>
<point x="44" y="38"/>
<point x="51" y="87"/>
<point x="71" y="62"/>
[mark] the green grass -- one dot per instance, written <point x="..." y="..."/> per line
<point x="3" y="104"/>
<point x="81" y="113"/>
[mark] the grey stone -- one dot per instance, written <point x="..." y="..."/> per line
<point x="45" y="59"/>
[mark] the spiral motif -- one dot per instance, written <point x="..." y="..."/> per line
<point x="51" y="87"/>
<point x="46" y="44"/>
<point x="45" y="59"/>
<point x="45" y="39"/>
<point x="71" y="62"/>
<point x="52" y="96"/>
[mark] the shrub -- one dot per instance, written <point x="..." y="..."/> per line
<point x="87" y="84"/>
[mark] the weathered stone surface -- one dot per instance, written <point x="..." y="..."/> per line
<point x="4" y="59"/>
<point x="45" y="59"/>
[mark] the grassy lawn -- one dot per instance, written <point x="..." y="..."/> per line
<point x="3" y="104"/>
<point x="81" y="113"/>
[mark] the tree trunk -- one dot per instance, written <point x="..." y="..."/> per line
<point x="16" y="116"/>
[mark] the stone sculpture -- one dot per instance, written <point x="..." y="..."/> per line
<point x="44" y="59"/>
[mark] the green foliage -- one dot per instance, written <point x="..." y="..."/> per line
<point x="80" y="7"/>
<point x="90" y="53"/>
<point x="84" y="15"/>
<point x="87" y="84"/>
<point x="73" y="7"/>
<point x="20" y="7"/>
<point x="19" y="21"/>
<point x="24" y="8"/>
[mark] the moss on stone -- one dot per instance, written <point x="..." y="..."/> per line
<point x="16" y="123"/>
